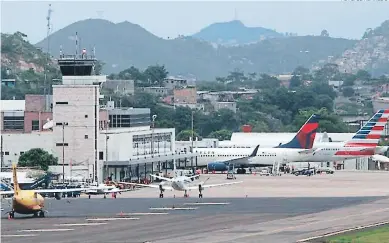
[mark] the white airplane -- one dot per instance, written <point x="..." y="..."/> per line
<point x="103" y="189"/>
<point x="181" y="183"/>
<point x="326" y="139"/>
<point x="363" y="143"/>
<point x="296" y="149"/>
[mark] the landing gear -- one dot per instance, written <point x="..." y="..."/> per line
<point x="11" y="214"/>
<point x="89" y="196"/>
<point x="39" y="214"/>
<point x="105" y="196"/>
<point x="186" y="194"/>
<point x="161" y="191"/>
<point x="200" y="190"/>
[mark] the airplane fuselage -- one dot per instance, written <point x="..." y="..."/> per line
<point x="337" y="152"/>
<point x="264" y="156"/>
<point x="27" y="202"/>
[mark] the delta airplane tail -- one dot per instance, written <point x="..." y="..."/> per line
<point x="305" y="136"/>
<point x="370" y="134"/>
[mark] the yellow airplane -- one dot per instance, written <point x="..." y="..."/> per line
<point x="29" y="201"/>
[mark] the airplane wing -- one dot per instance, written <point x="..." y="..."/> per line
<point x="47" y="191"/>
<point x="161" y="178"/>
<point x="149" y="185"/>
<point x="6" y="192"/>
<point x="59" y="190"/>
<point x="242" y="160"/>
<point x="214" y="185"/>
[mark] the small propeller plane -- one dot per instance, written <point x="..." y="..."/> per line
<point x="181" y="183"/>
<point x="104" y="189"/>
<point x="30" y="201"/>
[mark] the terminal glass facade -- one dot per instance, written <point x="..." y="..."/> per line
<point x="145" y="144"/>
<point x="129" y="120"/>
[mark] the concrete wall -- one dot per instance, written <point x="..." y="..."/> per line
<point x="79" y="113"/>
<point x="15" y="144"/>
<point x="30" y="116"/>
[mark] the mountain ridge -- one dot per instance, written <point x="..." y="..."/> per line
<point x="234" y="33"/>
<point x="125" y="44"/>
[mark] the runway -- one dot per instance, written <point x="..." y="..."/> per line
<point x="213" y="220"/>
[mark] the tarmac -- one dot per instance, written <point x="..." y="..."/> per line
<point x="310" y="209"/>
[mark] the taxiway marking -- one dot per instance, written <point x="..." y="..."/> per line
<point x="45" y="230"/>
<point x="111" y="219"/>
<point x="140" y="214"/>
<point x="343" y="231"/>
<point x="173" y="208"/>
<point x="296" y="226"/>
<point x="211" y="203"/>
<point x="27" y="235"/>
<point x="80" y="224"/>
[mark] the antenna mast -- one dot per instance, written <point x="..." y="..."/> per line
<point x="48" y="18"/>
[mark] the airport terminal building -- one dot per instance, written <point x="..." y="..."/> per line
<point x="90" y="139"/>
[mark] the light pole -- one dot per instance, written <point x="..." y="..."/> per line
<point x="2" y="154"/>
<point x="63" y="151"/>
<point x="106" y="149"/>
<point x="192" y="139"/>
<point x="152" y="133"/>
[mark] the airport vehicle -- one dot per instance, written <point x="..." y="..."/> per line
<point x="327" y="170"/>
<point x="29" y="201"/>
<point x="104" y="189"/>
<point x="181" y="183"/>
<point x="307" y="172"/>
<point x="362" y="144"/>
<point x="219" y="159"/>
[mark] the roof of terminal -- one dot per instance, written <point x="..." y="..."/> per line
<point x="12" y="105"/>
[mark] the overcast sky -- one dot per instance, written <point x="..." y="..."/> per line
<point x="170" y="19"/>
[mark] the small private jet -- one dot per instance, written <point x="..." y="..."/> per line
<point x="30" y="201"/>
<point x="181" y="183"/>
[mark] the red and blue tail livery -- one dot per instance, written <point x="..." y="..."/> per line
<point x="370" y="134"/>
<point x="305" y="136"/>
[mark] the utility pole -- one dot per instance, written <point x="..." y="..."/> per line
<point x="106" y="149"/>
<point x="192" y="140"/>
<point x="48" y="18"/>
<point x="152" y="133"/>
<point x="63" y="152"/>
<point x="2" y="154"/>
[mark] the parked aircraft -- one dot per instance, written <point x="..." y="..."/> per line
<point x="29" y="201"/>
<point x="104" y="189"/>
<point x="297" y="148"/>
<point x="181" y="183"/>
<point x="363" y="143"/>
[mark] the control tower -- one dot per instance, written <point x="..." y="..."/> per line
<point x="76" y="117"/>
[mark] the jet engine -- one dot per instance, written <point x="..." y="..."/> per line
<point x="217" y="166"/>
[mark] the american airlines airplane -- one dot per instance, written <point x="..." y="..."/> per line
<point x="363" y="143"/>
<point x="295" y="150"/>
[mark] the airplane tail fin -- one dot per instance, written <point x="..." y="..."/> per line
<point x="254" y="153"/>
<point x="15" y="180"/>
<point x="305" y="136"/>
<point x="370" y="134"/>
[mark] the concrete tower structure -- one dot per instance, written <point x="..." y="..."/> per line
<point x="76" y="116"/>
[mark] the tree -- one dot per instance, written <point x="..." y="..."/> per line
<point x="324" y="33"/>
<point x="221" y="135"/>
<point x="295" y="81"/>
<point x="363" y="75"/>
<point x="185" y="135"/>
<point x="155" y="74"/>
<point x="348" y="91"/>
<point x="37" y="157"/>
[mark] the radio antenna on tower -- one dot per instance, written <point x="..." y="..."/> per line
<point x="48" y="18"/>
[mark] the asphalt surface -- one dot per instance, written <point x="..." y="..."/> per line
<point x="239" y="220"/>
